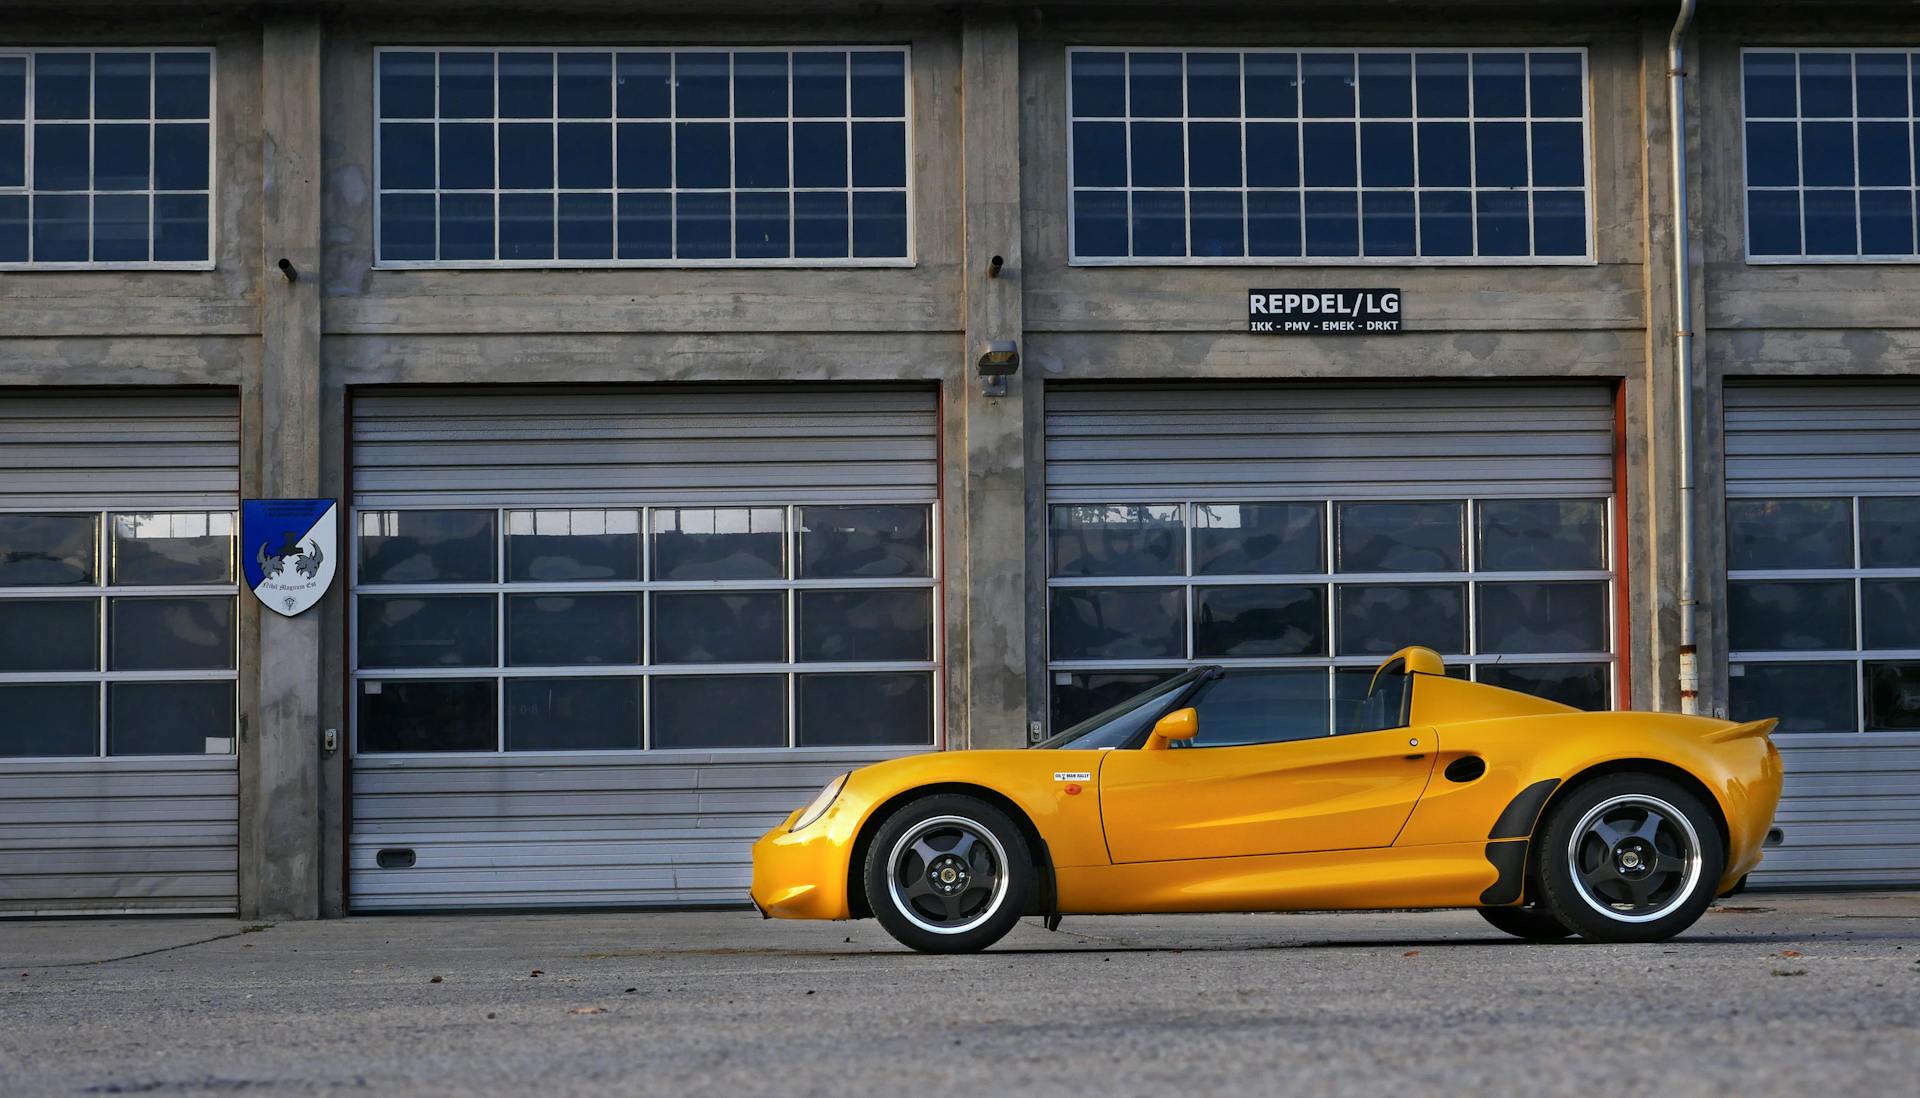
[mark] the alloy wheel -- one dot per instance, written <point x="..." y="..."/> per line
<point x="1634" y="858"/>
<point x="947" y="874"/>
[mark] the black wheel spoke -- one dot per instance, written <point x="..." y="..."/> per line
<point x="1644" y="852"/>
<point x="947" y="874"/>
<point x="927" y="853"/>
<point x="1606" y="833"/>
<point x="1649" y="828"/>
<point x="1664" y="863"/>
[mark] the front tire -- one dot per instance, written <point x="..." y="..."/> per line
<point x="1629" y="858"/>
<point x="948" y="874"/>
<point x="1532" y="922"/>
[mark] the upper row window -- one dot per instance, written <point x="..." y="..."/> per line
<point x="1830" y="154"/>
<point x="106" y="158"/>
<point x="580" y="157"/>
<point x="1265" y="156"/>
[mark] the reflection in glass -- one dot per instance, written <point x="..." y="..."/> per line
<point x="702" y="712"/>
<point x="1891" y="613"/>
<point x="414" y="715"/>
<point x="1893" y="696"/>
<point x="1789" y="533"/>
<point x="1542" y="617"/>
<point x="164" y="549"/>
<point x="426" y="546"/>
<point x="1078" y="695"/>
<point x="719" y="627"/>
<point x="866" y="625"/>
<point x="1274" y="539"/>
<point x="579" y="630"/>
<point x="865" y="709"/>
<point x="573" y="546"/>
<point x="1099" y="539"/>
<point x="49" y="719"/>
<point x="1807" y="697"/>
<point x="728" y="543"/>
<point x="1240" y="621"/>
<point x="1376" y="620"/>
<point x="426" y="631"/>
<point x="1581" y="685"/>
<point x="1423" y="536"/>
<point x="882" y="540"/>
<point x="49" y="635"/>
<point x="1245" y="707"/>
<point x="170" y="718"/>
<point x="1890" y="532"/>
<point x="573" y="714"/>
<point x="1789" y="615"/>
<point x="1542" y="535"/>
<point x="46" y="550"/>
<point x="1118" y="623"/>
<point x="171" y="634"/>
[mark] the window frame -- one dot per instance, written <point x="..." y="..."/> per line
<point x="910" y="259"/>
<point x="213" y="163"/>
<point x="1800" y="189"/>
<point x="1469" y="578"/>
<point x="102" y="592"/>
<point x="1589" y="259"/>
<point x="789" y="585"/>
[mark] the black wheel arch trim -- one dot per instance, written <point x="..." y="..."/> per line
<point x="1517" y="819"/>
<point x="1509" y="860"/>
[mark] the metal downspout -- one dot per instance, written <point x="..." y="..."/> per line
<point x="1683" y="353"/>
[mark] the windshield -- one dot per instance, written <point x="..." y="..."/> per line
<point x="1121" y="725"/>
<point x="1385" y="705"/>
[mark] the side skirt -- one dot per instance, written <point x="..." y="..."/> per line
<point x="1444" y="875"/>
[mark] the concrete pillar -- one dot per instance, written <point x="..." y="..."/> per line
<point x="995" y="662"/>
<point x="280" y="873"/>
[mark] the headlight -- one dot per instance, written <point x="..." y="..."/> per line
<point x="822" y="801"/>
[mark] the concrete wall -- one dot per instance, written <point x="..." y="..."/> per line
<point x="294" y="179"/>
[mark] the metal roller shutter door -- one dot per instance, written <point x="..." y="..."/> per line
<point x="634" y="827"/>
<point x="1851" y="810"/>
<point x="126" y="834"/>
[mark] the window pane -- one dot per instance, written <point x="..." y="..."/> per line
<point x="1790" y="616"/>
<point x="428" y="716"/>
<point x="1273" y="157"/>
<point x="1248" y="707"/>
<point x="1790" y="533"/>
<point x="1099" y="223"/>
<point x="1826" y="85"/>
<point x="719" y="543"/>
<point x="864" y="710"/>
<point x="1501" y="220"/>
<point x="879" y="223"/>
<point x="1806" y="697"/>
<point x="644" y="84"/>
<point x="1446" y="223"/>
<point x="573" y="546"/>
<point x="1326" y="85"/>
<point x="62" y="85"/>
<point x="1386" y="154"/>
<point x="50" y="719"/>
<point x="1376" y="620"/>
<point x="1272" y="85"/>
<point x="120" y="229"/>
<point x="1106" y="623"/>
<point x="171" y="634"/>
<point x="882" y="540"/>
<point x="1773" y="154"/>
<point x="1559" y="223"/>
<point x="860" y="626"/>
<point x="1886" y="158"/>
<point x="49" y="635"/>
<point x="1098" y="84"/>
<point x="1159" y="223"/>
<point x="763" y="225"/>
<point x="1213" y="154"/>
<point x="1386" y="85"/>
<point x="1581" y="685"/>
<point x="160" y="549"/>
<point x="180" y="157"/>
<point x="406" y="85"/>
<point x="1078" y="695"/>
<point x="1240" y="621"/>
<point x="1213" y="85"/>
<point x="170" y="718"/>
<point x="820" y="159"/>
<point x="183" y="84"/>
<point x="1886" y="222"/>
<point x="586" y="84"/>
<point x="1354" y="711"/>
<point x="701" y="226"/>
<point x="1890" y="611"/>
<point x="466" y="85"/>
<point x="407" y="227"/>
<point x="1097" y="539"/>
<point x="699" y="712"/>
<point x="1880" y="81"/>
<point x="1499" y="85"/>
<point x="1773" y="222"/>
<point x="1542" y="535"/>
<point x="120" y="159"/>
<point x="760" y="154"/>
<point x="820" y="225"/>
<point x="1440" y="84"/>
<point x="719" y="627"/>
<point x="1153" y="85"/>
<point x="1770" y="85"/>
<point x="1543" y="617"/>
<point x="1559" y="157"/>
<point x="1826" y="154"/>
<point x="1832" y="222"/>
<point x="573" y="714"/>
<point x="1333" y="223"/>
<point x="46" y="550"/>
<point x="526" y="84"/>
<point x="1554" y="89"/>
<point x="426" y="547"/>
<point x="60" y="157"/>
<point x="1238" y="539"/>
<point x="1327" y="154"/>
<point x="467" y="226"/>
<point x="1218" y="225"/>
<point x="572" y="630"/>
<point x="879" y="83"/>
<point x="585" y="156"/>
<point x="879" y="154"/>
<point x="646" y="226"/>
<point x="646" y="154"/>
<point x="1401" y="537"/>
<point x="819" y="84"/>
<point x="1388" y="218"/>
<point x="430" y="631"/>
<point x="1893" y="697"/>
<point x="1890" y="532"/>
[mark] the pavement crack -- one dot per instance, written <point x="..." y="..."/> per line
<point x="148" y="952"/>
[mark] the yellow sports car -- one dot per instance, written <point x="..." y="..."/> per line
<point x="1550" y="821"/>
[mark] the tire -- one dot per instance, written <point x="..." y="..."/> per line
<point x="948" y="874"/>
<point x="1533" y="923"/>
<point x="1629" y="858"/>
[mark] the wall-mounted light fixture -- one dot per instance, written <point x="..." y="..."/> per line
<point x="999" y="360"/>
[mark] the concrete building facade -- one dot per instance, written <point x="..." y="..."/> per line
<point x="670" y="484"/>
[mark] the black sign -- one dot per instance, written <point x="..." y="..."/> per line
<point x="1322" y="312"/>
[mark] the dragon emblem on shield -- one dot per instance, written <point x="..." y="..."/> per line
<point x="303" y="557"/>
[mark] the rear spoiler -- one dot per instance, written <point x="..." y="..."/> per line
<point x="1742" y="731"/>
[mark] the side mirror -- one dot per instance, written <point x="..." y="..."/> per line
<point x="1181" y="724"/>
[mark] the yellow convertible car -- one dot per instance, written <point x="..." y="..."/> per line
<point x="1550" y="821"/>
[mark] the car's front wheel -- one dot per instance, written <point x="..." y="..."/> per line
<point x="948" y="874"/>
<point x="1629" y="858"/>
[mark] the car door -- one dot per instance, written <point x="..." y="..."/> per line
<point x="1339" y="792"/>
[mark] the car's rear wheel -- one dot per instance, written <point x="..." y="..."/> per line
<point x="1629" y="858"/>
<point x="948" y="874"/>
<point x="1532" y="922"/>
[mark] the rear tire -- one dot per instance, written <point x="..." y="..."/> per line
<point x="1532" y="922"/>
<point x="948" y="874"/>
<point x="1629" y="858"/>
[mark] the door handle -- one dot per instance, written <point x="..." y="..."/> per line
<point x="1414" y="742"/>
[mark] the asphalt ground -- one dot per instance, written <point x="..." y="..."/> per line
<point x="1768" y="994"/>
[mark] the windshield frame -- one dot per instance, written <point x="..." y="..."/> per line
<point x="1171" y="693"/>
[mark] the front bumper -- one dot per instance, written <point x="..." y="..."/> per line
<point x="803" y="874"/>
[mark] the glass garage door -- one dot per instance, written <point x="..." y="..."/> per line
<point x="118" y="781"/>
<point x="1823" y="618"/>
<point x="1297" y="535"/>
<point x="602" y="643"/>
